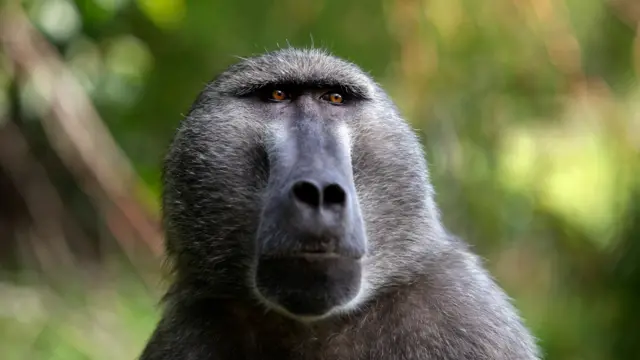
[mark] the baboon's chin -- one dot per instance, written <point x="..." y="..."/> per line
<point x="308" y="286"/>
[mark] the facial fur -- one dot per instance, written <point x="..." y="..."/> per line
<point x="220" y="174"/>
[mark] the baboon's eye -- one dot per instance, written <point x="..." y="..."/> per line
<point x="278" y="95"/>
<point x="334" y="98"/>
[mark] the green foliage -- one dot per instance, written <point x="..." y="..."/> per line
<point x="76" y="320"/>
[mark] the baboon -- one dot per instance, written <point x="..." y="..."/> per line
<point x="301" y="224"/>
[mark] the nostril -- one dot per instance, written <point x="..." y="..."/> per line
<point x="334" y="195"/>
<point x="307" y="193"/>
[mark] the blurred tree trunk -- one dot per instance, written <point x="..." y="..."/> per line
<point x="93" y="199"/>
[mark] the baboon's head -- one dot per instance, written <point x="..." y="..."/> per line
<point x="294" y="179"/>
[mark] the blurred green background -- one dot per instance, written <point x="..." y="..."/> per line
<point x="529" y="111"/>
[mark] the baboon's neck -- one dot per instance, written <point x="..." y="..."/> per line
<point x="242" y="330"/>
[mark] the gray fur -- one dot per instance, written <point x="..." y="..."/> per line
<point x="424" y="294"/>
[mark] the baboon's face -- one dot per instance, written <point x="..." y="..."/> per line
<point x="311" y="236"/>
<point x="285" y="172"/>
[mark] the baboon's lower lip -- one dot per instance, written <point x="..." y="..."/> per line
<point x="318" y="255"/>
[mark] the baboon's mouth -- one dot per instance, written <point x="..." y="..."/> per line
<point x="308" y="246"/>
<point x="310" y="255"/>
<point x="317" y="255"/>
